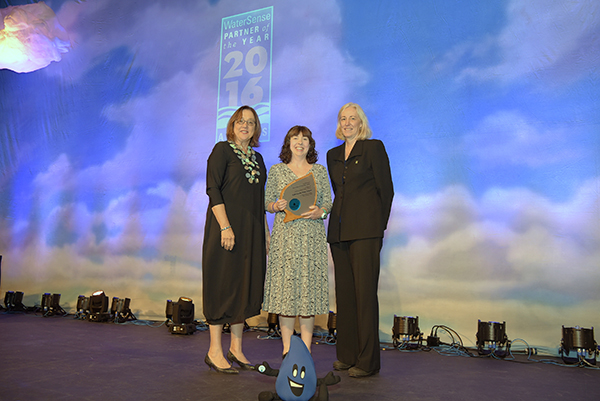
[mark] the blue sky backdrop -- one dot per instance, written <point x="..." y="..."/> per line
<point x="488" y="110"/>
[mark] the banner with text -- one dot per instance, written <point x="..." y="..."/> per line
<point x="245" y="68"/>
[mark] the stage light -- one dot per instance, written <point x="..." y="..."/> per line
<point x="113" y="306"/>
<point x="182" y="315"/>
<point x="169" y="310"/>
<point x="406" y="332"/>
<point x="98" y="307"/>
<point x="120" y="311"/>
<point x="123" y="305"/>
<point x="32" y="37"/>
<point x="13" y="300"/>
<point x="51" y="305"/>
<point x="98" y="302"/>
<point x="183" y="311"/>
<point x="491" y="339"/>
<point x="582" y="342"/>
<point x="273" y="325"/>
<point x="83" y="307"/>
<point x="332" y="327"/>
<point x="46" y="301"/>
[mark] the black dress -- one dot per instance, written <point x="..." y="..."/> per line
<point x="233" y="280"/>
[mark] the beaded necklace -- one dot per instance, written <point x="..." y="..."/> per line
<point x="249" y="162"/>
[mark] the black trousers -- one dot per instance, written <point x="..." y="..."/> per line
<point x="356" y="282"/>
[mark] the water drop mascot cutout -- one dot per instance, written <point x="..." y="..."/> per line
<point x="297" y="378"/>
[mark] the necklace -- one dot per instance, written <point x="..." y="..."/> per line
<point x="248" y="161"/>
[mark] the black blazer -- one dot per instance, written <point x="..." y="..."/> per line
<point x="363" y="191"/>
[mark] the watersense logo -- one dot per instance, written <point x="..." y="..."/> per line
<point x="248" y="20"/>
<point x="245" y="68"/>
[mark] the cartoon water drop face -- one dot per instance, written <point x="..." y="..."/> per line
<point x="297" y="378"/>
<point x="297" y="387"/>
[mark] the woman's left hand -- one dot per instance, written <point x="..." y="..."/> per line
<point x="314" y="213"/>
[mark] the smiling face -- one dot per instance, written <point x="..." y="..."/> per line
<point x="243" y="128"/>
<point x="297" y="378"/>
<point x="299" y="145"/>
<point x="296" y="382"/>
<point x="350" y="123"/>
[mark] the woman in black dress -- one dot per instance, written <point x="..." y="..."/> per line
<point x="362" y="183"/>
<point x="234" y="249"/>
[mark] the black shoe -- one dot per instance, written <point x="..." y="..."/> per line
<point x="244" y="366"/>
<point x="229" y="370"/>
<point x="339" y="365"/>
<point x="358" y="372"/>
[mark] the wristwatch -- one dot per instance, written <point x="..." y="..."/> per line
<point x="324" y="215"/>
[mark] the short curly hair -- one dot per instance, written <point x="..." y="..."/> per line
<point x="286" y="152"/>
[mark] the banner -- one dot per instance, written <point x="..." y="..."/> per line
<point x="245" y="68"/>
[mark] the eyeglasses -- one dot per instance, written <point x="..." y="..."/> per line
<point x="250" y="123"/>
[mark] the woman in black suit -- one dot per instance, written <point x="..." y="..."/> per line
<point x="361" y="179"/>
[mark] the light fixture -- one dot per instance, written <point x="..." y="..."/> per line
<point x="13" y="301"/>
<point x="492" y="339"/>
<point x="180" y="316"/>
<point x="32" y="38"/>
<point x="332" y="327"/>
<point x="98" y="308"/>
<point x="120" y="311"/>
<point x="169" y="310"/>
<point x="406" y="332"/>
<point x="581" y="342"/>
<point x="273" y="325"/>
<point x="51" y="305"/>
<point x="83" y="307"/>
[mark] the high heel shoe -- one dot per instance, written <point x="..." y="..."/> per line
<point x="210" y="363"/>
<point x="243" y="366"/>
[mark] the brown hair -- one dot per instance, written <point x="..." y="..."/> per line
<point x="286" y="153"/>
<point x="238" y="115"/>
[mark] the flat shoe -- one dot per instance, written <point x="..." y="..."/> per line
<point x="243" y="366"/>
<point x="358" y="372"/>
<point x="339" y="365"/>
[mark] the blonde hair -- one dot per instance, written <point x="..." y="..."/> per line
<point x="364" y="131"/>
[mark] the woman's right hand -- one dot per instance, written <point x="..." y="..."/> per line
<point x="228" y="239"/>
<point x="279" y="205"/>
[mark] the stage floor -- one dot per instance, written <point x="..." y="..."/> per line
<point x="61" y="358"/>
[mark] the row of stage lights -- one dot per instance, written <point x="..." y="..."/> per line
<point x="180" y="314"/>
<point x="95" y="308"/>
<point x="49" y="306"/>
<point x="578" y="345"/>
